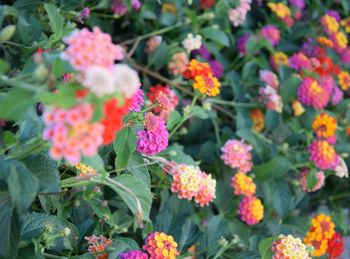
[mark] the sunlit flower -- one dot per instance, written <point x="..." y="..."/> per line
<point x="258" y="119"/>
<point x="323" y="155"/>
<point x="161" y="246"/>
<point x="289" y="247"/>
<point x="324" y="125"/>
<point x="192" y="42"/>
<point x="178" y="63"/>
<point x="304" y="183"/>
<point x="97" y="245"/>
<point x="344" y="80"/>
<point x="126" y="80"/>
<point x="312" y="94"/>
<point x="251" y="210"/>
<point x="243" y="184"/>
<point x="236" y="154"/>
<point x="270" y="33"/>
<point x="279" y="58"/>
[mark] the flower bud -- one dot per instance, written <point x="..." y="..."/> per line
<point x="7" y="32"/>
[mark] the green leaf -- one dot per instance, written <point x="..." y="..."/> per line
<point x="199" y="112"/>
<point x="9" y="228"/>
<point x="124" y="145"/>
<point x="289" y="88"/>
<point x="272" y="119"/>
<point x="7" y="33"/>
<point x="265" y="247"/>
<point x="137" y="167"/>
<point x="45" y="169"/>
<point x="4" y="66"/>
<point x="14" y="103"/>
<point x="30" y="30"/>
<point x="249" y="69"/>
<point x="122" y="244"/>
<point x="247" y="255"/>
<point x="311" y="179"/>
<point x="55" y="19"/>
<point x="21" y="183"/>
<point x="64" y="97"/>
<point x="174" y="118"/>
<point x="95" y="162"/>
<point x="215" y="35"/>
<point x="275" y="168"/>
<point x="252" y="45"/>
<point x="282" y="198"/>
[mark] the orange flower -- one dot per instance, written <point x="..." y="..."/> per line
<point x="344" y="80"/>
<point x="196" y="68"/>
<point x="324" y="125"/>
<point x="207" y="84"/>
<point x="324" y="41"/>
<point x="258" y="119"/>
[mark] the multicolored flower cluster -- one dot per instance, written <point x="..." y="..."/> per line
<point x="216" y="66"/>
<point x="236" y="154"/>
<point x="97" y="246"/>
<point x="312" y="94"/>
<point x="161" y="246"/>
<point x="268" y="94"/>
<point x="258" y="119"/>
<point x="85" y="170"/>
<point x="242" y="184"/>
<point x="283" y="12"/>
<point x="137" y="101"/>
<point x="202" y="75"/>
<point x="323" y="155"/>
<point x="335" y="246"/>
<point x="324" y="125"/>
<point x="154" y="138"/>
<point x="304" y="180"/>
<point x="271" y="34"/>
<point x="289" y="247"/>
<point x="237" y="15"/>
<point x="251" y="210"/>
<point x="190" y="182"/>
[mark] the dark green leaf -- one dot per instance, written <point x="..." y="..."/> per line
<point x="137" y="167"/>
<point x="265" y="247"/>
<point x="282" y="198"/>
<point x="55" y="19"/>
<point x="275" y="168"/>
<point x="289" y="88"/>
<point x="215" y="35"/>
<point x="124" y="145"/>
<point x="14" y="103"/>
<point x="174" y="118"/>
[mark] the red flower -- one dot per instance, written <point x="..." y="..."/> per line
<point x="113" y="118"/>
<point x="206" y="4"/>
<point x="153" y="94"/>
<point x="335" y="246"/>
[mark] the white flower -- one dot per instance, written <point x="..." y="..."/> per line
<point x="99" y="81"/>
<point x="66" y="232"/>
<point x="341" y="170"/>
<point x="192" y="43"/>
<point x="126" y="80"/>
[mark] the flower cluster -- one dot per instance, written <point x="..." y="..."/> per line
<point x="97" y="246"/>
<point x="85" y="170"/>
<point x="190" y="182"/>
<point x="268" y="94"/>
<point x="279" y="58"/>
<point x="161" y="246"/>
<point x="283" y="12"/>
<point x="242" y="184"/>
<point x="320" y="177"/>
<point x="270" y="33"/>
<point x="202" y="75"/>
<point x="137" y="101"/>
<point x="154" y="138"/>
<point x="178" y="63"/>
<point x="133" y="254"/>
<point x="236" y="154"/>
<point x="258" y="119"/>
<point x="324" y="125"/>
<point x="312" y="94"/>
<point x="119" y="7"/>
<point x="72" y="133"/>
<point x="335" y="246"/>
<point x="323" y="155"/>
<point x="289" y="247"/>
<point x="216" y="66"/>
<point x="191" y="42"/>
<point x="237" y="15"/>
<point x="251" y="210"/>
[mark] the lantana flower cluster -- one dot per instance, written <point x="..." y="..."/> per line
<point x="289" y="247"/>
<point x="98" y="245"/>
<point x="238" y="14"/>
<point x="268" y="94"/>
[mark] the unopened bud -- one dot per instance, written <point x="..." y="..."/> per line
<point x="7" y="33"/>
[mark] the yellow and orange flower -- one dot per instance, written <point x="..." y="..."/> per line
<point x="258" y="119"/>
<point x="344" y="80"/>
<point x="346" y="24"/>
<point x="160" y="245"/>
<point x="85" y="170"/>
<point x="297" y="108"/>
<point x="340" y="40"/>
<point x="280" y="9"/>
<point x="279" y="58"/>
<point x="330" y="24"/>
<point x="324" y="41"/>
<point x="242" y="184"/>
<point x="324" y="125"/>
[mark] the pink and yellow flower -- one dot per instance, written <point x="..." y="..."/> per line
<point x="161" y="246"/>
<point x="243" y="185"/>
<point x="236" y="154"/>
<point x="323" y="155"/>
<point x="251" y="210"/>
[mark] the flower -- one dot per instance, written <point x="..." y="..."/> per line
<point x="112" y="120"/>
<point x="251" y="210"/>
<point x="300" y="4"/>
<point x="153" y="43"/>
<point x="161" y="246"/>
<point x="279" y="58"/>
<point x="299" y="61"/>
<point x="337" y="96"/>
<point x="196" y="68"/>
<point x="280" y="9"/>
<point x="298" y="108"/>
<point x="345" y="56"/>
<point x="270" y="33"/>
<point x="340" y="41"/>
<point x="243" y="184"/>
<point x="304" y="181"/>
<point x="241" y="43"/>
<point x="312" y="94"/>
<point x="289" y="247"/>
<point x="218" y="69"/>
<point x="206" y="193"/>
<point x="237" y="15"/>
<point x="126" y="80"/>
<point x="271" y="98"/>
<point x="99" y="81"/>
<point x="324" y="125"/>
<point x="208" y="85"/>
<point x="154" y="138"/>
<point x="85" y="13"/>
<point x="346" y="24"/>
<point x="236" y="154"/>
<point x="269" y="78"/>
<point x="335" y="14"/>
<point x="335" y="246"/>
<point x="203" y="52"/>
<point x="178" y="63"/>
<point x="206" y="4"/>
<point x="97" y="245"/>
<point x="342" y="169"/>
<point x="258" y="119"/>
<point x="85" y="170"/>
<point x="164" y="102"/>
<point x="133" y="254"/>
<point x="86" y="49"/>
<point x="323" y="155"/>
<point x="192" y="42"/>
<point x="324" y="41"/>
<point x="137" y="101"/>
<point x="344" y="80"/>
<point x="153" y="95"/>
<point x="72" y="133"/>
<point x="118" y="7"/>
<point x="329" y="23"/>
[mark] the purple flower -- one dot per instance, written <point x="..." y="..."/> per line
<point x="337" y="96"/>
<point x="203" y="52"/>
<point x="334" y="14"/>
<point x="241" y="43"/>
<point x="118" y="7"/>
<point x="137" y="101"/>
<point x="217" y="68"/>
<point x="133" y="254"/>
<point x="136" y="4"/>
<point x="84" y="15"/>
<point x="300" y="4"/>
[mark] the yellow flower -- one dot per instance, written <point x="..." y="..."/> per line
<point x="280" y="9"/>
<point x="346" y="24"/>
<point x="207" y="84"/>
<point x="258" y="119"/>
<point x="298" y="108"/>
<point x="85" y="170"/>
<point x="324" y="41"/>
<point x="279" y="58"/>
<point x="344" y="80"/>
<point x="242" y="184"/>
<point x="330" y="23"/>
<point x="324" y="125"/>
<point x="341" y="39"/>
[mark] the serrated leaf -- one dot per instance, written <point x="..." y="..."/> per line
<point x="137" y="167"/>
<point x="215" y="35"/>
<point x="124" y="145"/>
<point x="265" y="247"/>
<point x="275" y="168"/>
<point x="55" y="19"/>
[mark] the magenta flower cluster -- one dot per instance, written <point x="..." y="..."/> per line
<point x="137" y="101"/>
<point x="133" y="254"/>
<point x="236" y="154"/>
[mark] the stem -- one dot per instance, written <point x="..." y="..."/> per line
<point x="35" y="147"/>
<point x="16" y="44"/>
<point x="339" y="196"/>
<point x="22" y="85"/>
<point x="149" y="108"/>
<point x="232" y="103"/>
<point x="53" y="256"/>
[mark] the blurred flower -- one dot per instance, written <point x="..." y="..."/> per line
<point x="237" y="15"/>
<point x="346" y="24"/>
<point x="72" y="133"/>
<point x="337" y="96"/>
<point x="251" y="210"/>
<point x="118" y="7"/>
<point x="97" y="245"/>
<point x="84" y="15"/>
<point x="113" y="118"/>
<point x="136" y="4"/>
<point x="86" y="49"/>
<point x="335" y="14"/>
<point x="258" y="119"/>
<point x="345" y="56"/>
<point x="269" y="78"/>
<point x="342" y="169"/>
<point x="340" y="41"/>
<point x="196" y="68"/>
<point x="217" y="68"/>
<point x="300" y="4"/>
<point x="133" y="254"/>
<point x="299" y="61"/>
<point x="312" y="94"/>
<point x="164" y="102"/>
<point x="324" y="41"/>
<point x="330" y="24"/>
<point x="280" y="9"/>
<point x="237" y="155"/>
<point x="85" y="170"/>
<point x="323" y="155"/>
<point x="324" y="125"/>
<point x="99" y="80"/>
<point x="241" y="43"/>
<point x="297" y="107"/>
<point x="279" y="58"/>
<point x="271" y="98"/>
<point x="203" y="52"/>
<point x="154" y="138"/>
<point x="67" y="77"/>
<point x="270" y="33"/>
<point x="335" y="246"/>
<point x="153" y="43"/>
<point x="191" y="42"/>
<point x="168" y="7"/>
<point x="344" y="80"/>
<point x="206" y="4"/>
<point x="178" y="63"/>
<point x="126" y="79"/>
<point x="243" y="184"/>
<point x="289" y="247"/>
<point x="159" y="245"/>
<point x="137" y="101"/>
<point x="304" y="183"/>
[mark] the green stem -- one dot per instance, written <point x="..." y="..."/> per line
<point x="232" y="103"/>
<point x="16" y="44"/>
<point x="149" y="108"/>
<point x="54" y="256"/>
<point x="339" y="196"/>
<point x="13" y="82"/>
<point x="36" y="147"/>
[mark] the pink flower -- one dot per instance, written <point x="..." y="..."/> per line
<point x="337" y="96"/>
<point x="271" y="33"/>
<point x="251" y="210"/>
<point x="345" y="56"/>
<point x="86" y="48"/>
<point x="133" y="254"/>
<point x="323" y="155"/>
<point x="237" y="16"/>
<point x="153" y="43"/>
<point x="236" y="154"/>
<point x="299" y="61"/>
<point x="271" y="98"/>
<point x="137" y="101"/>
<point x="312" y="94"/>
<point x="303" y="180"/>
<point x="178" y="63"/>
<point x="269" y="78"/>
